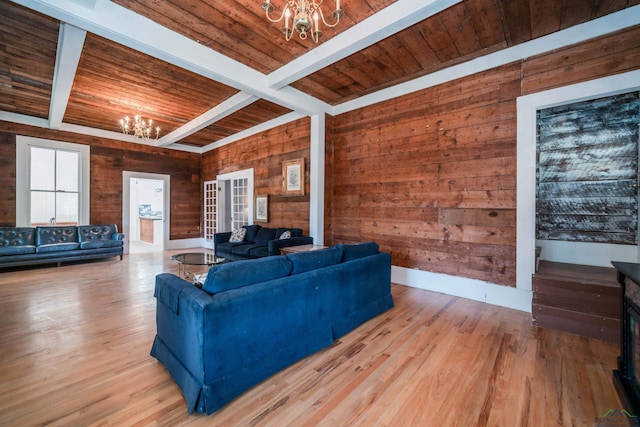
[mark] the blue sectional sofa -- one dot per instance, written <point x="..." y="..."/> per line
<point x="21" y="246"/>
<point x="258" y="242"/>
<point x="253" y="318"/>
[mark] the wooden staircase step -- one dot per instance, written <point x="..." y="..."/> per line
<point x="579" y="299"/>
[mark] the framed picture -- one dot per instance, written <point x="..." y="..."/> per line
<point x="293" y="177"/>
<point x="262" y="208"/>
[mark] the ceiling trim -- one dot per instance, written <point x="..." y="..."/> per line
<point x="225" y="108"/>
<point x="70" y="43"/>
<point x="573" y="35"/>
<point x="390" y="20"/>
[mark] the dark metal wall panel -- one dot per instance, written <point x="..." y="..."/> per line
<point x="587" y="166"/>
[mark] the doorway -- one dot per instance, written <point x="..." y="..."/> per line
<point x="527" y="106"/>
<point x="228" y="202"/>
<point x="145" y="211"/>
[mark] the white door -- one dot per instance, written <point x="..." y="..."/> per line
<point x="234" y="200"/>
<point x="210" y="212"/>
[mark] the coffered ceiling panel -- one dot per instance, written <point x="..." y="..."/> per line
<point x="238" y="28"/>
<point x="28" y="43"/>
<point x="113" y="81"/>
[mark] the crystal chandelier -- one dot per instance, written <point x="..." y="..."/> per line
<point x="139" y="128"/>
<point x="306" y="17"/>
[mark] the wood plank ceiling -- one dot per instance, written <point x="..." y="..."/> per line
<point x="113" y="80"/>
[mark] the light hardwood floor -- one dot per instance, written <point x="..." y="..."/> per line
<point x="75" y="341"/>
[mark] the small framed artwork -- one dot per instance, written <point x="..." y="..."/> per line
<point x="293" y="177"/>
<point x="262" y="208"/>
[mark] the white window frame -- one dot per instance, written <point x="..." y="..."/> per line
<point x="23" y="143"/>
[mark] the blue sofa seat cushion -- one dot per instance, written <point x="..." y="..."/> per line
<point x="358" y="250"/>
<point x="245" y="250"/>
<point x="244" y="273"/>
<point x="228" y="246"/>
<point x="57" y="247"/>
<point x="94" y="244"/>
<point x="306" y="261"/>
<point x="17" y="250"/>
<point x="259" y="251"/>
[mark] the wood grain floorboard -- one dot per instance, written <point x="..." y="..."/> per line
<point x="75" y="342"/>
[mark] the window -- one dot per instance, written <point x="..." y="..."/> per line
<point x="52" y="182"/>
<point x="53" y="186"/>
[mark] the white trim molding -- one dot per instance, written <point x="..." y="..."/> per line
<point x="477" y="290"/>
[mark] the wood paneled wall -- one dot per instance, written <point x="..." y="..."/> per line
<point x="431" y="176"/>
<point x="265" y="153"/>
<point x="108" y="160"/>
<point x="7" y="180"/>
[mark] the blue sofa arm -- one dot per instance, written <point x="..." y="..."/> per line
<point x="221" y="237"/>
<point x="117" y="236"/>
<point x="273" y="246"/>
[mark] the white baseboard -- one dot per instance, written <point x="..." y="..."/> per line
<point x="183" y="244"/>
<point x="477" y="290"/>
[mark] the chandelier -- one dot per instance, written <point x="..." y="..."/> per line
<point x="306" y="17"/>
<point x="139" y="128"/>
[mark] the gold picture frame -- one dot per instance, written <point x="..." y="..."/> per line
<point x="262" y="209"/>
<point x="293" y="177"/>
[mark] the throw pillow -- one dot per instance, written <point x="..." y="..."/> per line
<point x="237" y="235"/>
<point x="285" y="235"/>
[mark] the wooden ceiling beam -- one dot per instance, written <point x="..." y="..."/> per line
<point x="225" y="108"/>
<point x="70" y="43"/>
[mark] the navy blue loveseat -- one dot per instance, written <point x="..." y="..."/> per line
<point x="21" y="246"/>
<point x="258" y="242"/>
<point x="253" y="318"/>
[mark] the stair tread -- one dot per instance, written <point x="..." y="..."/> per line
<point x="575" y="273"/>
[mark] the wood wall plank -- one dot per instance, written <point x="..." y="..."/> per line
<point x="265" y="153"/>
<point x="422" y="176"/>
<point x="7" y="180"/>
<point x="108" y="160"/>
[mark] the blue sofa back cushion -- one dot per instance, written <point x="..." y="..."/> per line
<point x="252" y="232"/>
<point x="265" y="234"/>
<point x="92" y="233"/>
<point x="53" y="235"/>
<point x="17" y="236"/>
<point x="358" y="250"/>
<point x="244" y="273"/>
<point x="306" y="261"/>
